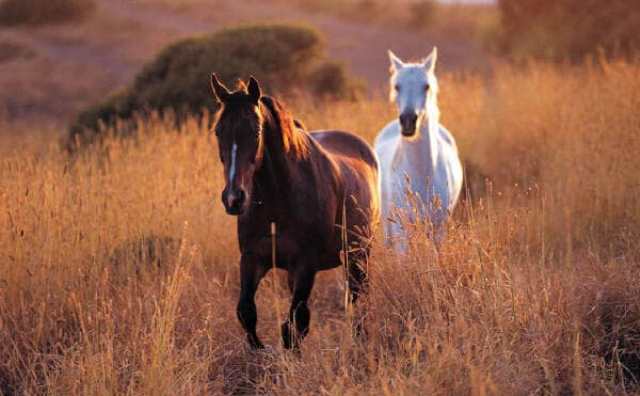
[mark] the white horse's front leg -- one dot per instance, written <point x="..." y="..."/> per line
<point x="437" y="218"/>
<point x="398" y="237"/>
<point x="439" y="235"/>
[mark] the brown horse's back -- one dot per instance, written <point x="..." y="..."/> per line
<point x="346" y="144"/>
<point x="359" y="171"/>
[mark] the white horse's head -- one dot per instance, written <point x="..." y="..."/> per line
<point x="414" y="88"/>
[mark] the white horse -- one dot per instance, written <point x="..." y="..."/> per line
<point x="420" y="168"/>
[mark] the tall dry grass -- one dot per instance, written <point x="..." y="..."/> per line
<point x="119" y="269"/>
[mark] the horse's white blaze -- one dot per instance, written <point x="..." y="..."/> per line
<point x="232" y="169"/>
<point x="425" y="165"/>
<point x="232" y="166"/>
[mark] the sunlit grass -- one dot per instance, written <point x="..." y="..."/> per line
<point x="535" y="290"/>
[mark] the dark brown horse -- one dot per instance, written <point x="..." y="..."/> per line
<point x="303" y="182"/>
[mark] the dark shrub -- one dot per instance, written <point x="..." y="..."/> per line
<point x="332" y="79"/>
<point x="10" y="51"/>
<point x="569" y="29"/>
<point x="422" y="13"/>
<point x="16" y="12"/>
<point x="281" y="57"/>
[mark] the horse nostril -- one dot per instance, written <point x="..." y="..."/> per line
<point x="240" y="198"/>
<point x="236" y="199"/>
<point x="224" y="195"/>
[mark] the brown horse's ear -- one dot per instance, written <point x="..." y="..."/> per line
<point x="254" y="90"/>
<point x="219" y="90"/>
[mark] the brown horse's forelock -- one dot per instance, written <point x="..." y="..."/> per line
<point x="232" y="115"/>
<point x="270" y="111"/>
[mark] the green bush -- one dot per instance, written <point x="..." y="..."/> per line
<point x="569" y="29"/>
<point x="282" y="57"/>
<point x="35" y="12"/>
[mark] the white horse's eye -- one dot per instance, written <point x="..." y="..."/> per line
<point x="397" y="87"/>
<point x="426" y="87"/>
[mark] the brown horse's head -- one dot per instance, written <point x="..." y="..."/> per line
<point x="240" y="141"/>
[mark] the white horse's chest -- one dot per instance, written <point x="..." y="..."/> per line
<point x="420" y="174"/>
<point x="413" y="176"/>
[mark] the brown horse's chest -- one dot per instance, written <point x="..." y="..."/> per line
<point x="285" y="248"/>
<point x="292" y="240"/>
<point x="306" y="207"/>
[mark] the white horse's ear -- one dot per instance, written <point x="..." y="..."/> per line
<point x="429" y="62"/>
<point x="396" y="63"/>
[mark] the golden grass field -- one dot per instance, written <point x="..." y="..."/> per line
<point x="119" y="275"/>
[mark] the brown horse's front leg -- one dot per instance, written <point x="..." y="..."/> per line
<point x="358" y="277"/>
<point x="296" y="327"/>
<point x="358" y="283"/>
<point x="251" y="272"/>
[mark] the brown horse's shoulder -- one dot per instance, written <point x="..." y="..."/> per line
<point x="346" y="144"/>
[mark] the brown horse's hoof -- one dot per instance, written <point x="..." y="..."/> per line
<point x="290" y="340"/>
<point x="254" y="343"/>
<point x="287" y="340"/>
<point x="360" y="331"/>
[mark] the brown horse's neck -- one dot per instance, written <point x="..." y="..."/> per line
<point x="285" y="148"/>
<point x="282" y="134"/>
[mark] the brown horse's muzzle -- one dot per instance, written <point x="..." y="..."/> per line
<point x="234" y="200"/>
